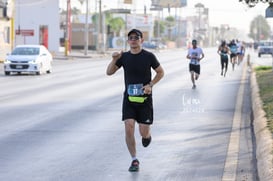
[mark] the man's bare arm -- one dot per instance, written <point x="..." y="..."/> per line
<point x="112" y="68"/>
<point x="158" y="76"/>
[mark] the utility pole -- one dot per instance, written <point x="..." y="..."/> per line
<point x="68" y="29"/>
<point x="100" y="39"/>
<point x="86" y="35"/>
<point x="13" y="26"/>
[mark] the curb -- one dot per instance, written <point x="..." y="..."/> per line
<point x="264" y="142"/>
<point x="70" y="57"/>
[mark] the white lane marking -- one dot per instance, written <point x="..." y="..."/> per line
<point x="233" y="147"/>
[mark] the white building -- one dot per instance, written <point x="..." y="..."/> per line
<point x="5" y="28"/>
<point x="37" y="22"/>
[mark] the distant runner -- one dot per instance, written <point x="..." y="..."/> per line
<point x="195" y="54"/>
<point x="240" y="51"/>
<point x="224" y="52"/>
<point x="233" y="55"/>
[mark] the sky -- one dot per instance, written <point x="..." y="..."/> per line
<point x="231" y="12"/>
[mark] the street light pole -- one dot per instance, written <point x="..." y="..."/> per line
<point x="86" y="34"/>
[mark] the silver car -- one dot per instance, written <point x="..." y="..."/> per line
<point x="28" y="58"/>
<point x="265" y="47"/>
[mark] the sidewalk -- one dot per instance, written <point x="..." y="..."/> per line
<point x="74" y="54"/>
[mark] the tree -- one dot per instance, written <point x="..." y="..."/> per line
<point x="74" y="11"/>
<point x="117" y="24"/>
<point x="252" y="3"/>
<point x="259" y="29"/>
<point x="170" y="23"/>
<point x="158" y="28"/>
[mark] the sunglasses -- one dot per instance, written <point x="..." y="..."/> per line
<point x="133" y="38"/>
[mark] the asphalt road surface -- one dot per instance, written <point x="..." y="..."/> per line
<point x="67" y="126"/>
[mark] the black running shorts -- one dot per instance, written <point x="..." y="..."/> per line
<point x="233" y="55"/>
<point x="141" y="112"/>
<point x="194" y="68"/>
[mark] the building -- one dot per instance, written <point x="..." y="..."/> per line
<point x="5" y="28"/>
<point x="37" y="22"/>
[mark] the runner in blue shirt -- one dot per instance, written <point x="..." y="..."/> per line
<point x="233" y="55"/>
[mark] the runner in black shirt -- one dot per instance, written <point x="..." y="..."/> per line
<point x="223" y="51"/>
<point x="137" y="100"/>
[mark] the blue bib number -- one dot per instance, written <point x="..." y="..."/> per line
<point x="135" y="89"/>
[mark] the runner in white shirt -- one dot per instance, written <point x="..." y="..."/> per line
<point x="195" y="54"/>
<point x="240" y="51"/>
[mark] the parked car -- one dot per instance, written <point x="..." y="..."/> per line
<point x="149" y="45"/>
<point x="265" y="47"/>
<point x="28" y="58"/>
<point x="153" y="45"/>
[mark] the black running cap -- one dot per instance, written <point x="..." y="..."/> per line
<point x="136" y="31"/>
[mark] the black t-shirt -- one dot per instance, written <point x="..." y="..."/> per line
<point x="137" y="67"/>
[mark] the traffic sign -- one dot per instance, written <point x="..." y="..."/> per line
<point x="25" y="32"/>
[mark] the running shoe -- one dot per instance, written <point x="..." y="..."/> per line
<point x="146" y="141"/>
<point x="194" y="86"/>
<point x="134" y="166"/>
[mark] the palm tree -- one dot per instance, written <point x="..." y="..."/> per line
<point x="117" y="24"/>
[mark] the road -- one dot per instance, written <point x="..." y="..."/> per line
<point x="67" y="125"/>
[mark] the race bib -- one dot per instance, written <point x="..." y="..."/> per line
<point x="194" y="60"/>
<point x="135" y="90"/>
<point x="233" y="49"/>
